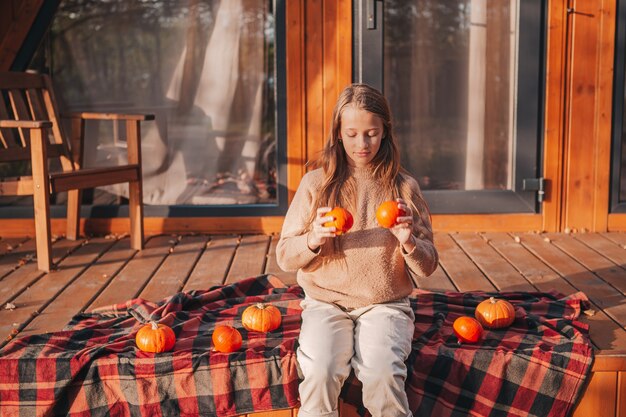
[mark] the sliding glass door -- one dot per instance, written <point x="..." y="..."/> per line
<point x="463" y="78"/>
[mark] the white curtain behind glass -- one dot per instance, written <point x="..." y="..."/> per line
<point x="202" y="67"/>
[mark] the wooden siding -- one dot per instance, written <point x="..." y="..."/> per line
<point x="101" y="271"/>
<point x="588" y="114"/>
<point x="553" y="136"/>
<point x="296" y="96"/>
<point x="328" y="67"/>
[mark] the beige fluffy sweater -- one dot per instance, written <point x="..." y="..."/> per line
<point x="369" y="266"/>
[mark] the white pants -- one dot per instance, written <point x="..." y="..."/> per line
<point x="374" y="340"/>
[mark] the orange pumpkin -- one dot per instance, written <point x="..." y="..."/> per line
<point x="387" y="213"/>
<point x="495" y="313"/>
<point x="342" y="220"/>
<point x="226" y="339"/>
<point x="467" y="329"/>
<point x="155" y="338"/>
<point x="261" y="317"/>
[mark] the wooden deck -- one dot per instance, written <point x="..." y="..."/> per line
<point x="104" y="270"/>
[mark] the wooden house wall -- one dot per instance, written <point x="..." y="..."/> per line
<point x="588" y="114"/>
<point x="577" y="120"/>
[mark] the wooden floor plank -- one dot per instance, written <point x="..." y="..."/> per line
<point x="174" y="271"/>
<point x="85" y="288"/>
<point x="497" y="269"/>
<point x="26" y="274"/>
<point x="249" y="260"/>
<point x="18" y="257"/>
<point x="44" y="291"/>
<point x="535" y="271"/>
<point x="462" y="271"/>
<point x="605" y="334"/>
<point x="598" y="291"/>
<point x="271" y="267"/>
<point x="133" y="277"/>
<point x="211" y="268"/>
<point x="9" y="244"/>
<point x="438" y="281"/>
<point x="603" y="245"/>
<point x="617" y="237"/>
<point x="612" y="271"/>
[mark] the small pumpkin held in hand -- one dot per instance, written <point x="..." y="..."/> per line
<point x="467" y="329"/>
<point x="387" y="214"/>
<point x="226" y="339"/>
<point x="155" y="338"/>
<point x="495" y="313"/>
<point x="261" y="318"/>
<point x="342" y="220"/>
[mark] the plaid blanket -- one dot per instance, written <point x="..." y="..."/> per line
<point x="92" y="368"/>
<point x="536" y="367"/>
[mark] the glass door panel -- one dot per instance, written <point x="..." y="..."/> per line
<point x="462" y="78"/>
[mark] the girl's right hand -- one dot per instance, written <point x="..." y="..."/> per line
<point x="319" y="233"/>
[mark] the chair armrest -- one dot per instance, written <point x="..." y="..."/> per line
<point x="110" y="116"/>
<point x="26" y="124"/>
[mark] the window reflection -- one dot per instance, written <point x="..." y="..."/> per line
<point x="450" y="75"/>
<point x="205" y="68"/>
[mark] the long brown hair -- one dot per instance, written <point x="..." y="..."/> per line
<point x="338" y="187"/>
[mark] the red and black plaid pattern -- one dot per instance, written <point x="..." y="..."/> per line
<point x="536" y="367"/>
<point x="93" y="368"/>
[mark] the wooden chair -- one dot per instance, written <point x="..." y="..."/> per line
<point x="30" y="131"/>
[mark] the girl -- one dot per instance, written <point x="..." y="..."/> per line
<point x="356" y="312"/>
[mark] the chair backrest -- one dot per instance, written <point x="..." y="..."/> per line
<point x="25" y="97"/>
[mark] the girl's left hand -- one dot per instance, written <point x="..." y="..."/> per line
<point x="403" y="228"/>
